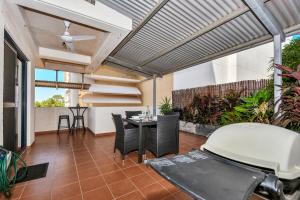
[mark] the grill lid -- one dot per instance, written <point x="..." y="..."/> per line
<point x="260" y="145"/>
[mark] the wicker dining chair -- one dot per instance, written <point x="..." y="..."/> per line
<point x="130" y="114"/>
<point x="126" y="140"/>
<point x="165" y="138"/>
<point x="173" y="113"/>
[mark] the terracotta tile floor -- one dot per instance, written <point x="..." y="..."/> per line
<point x="83" y="167"/>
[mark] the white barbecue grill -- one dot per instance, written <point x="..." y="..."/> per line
<point x="272" y="148"/>
<point x="236" y="161"/>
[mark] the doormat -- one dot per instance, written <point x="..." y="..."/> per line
<point x="33" y="172"/>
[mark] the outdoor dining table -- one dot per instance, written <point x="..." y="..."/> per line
<point x="77" y="111"/>
<point x="141" y="124"/>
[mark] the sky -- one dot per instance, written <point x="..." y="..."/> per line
<point x="42" y="93"/>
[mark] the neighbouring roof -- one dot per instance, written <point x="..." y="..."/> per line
<point x="170" y="35"/>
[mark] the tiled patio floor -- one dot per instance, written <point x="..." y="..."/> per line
<point x="83" y="167"/>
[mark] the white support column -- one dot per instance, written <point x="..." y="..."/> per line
<point x="154" y="94"/>
<point x="277" y="72"/>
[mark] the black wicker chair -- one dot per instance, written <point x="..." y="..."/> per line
<point x="165" y="138"/>
<point x="130" y="114"/>
<point x="173" y="113"/>
<point x="126" y="140"/>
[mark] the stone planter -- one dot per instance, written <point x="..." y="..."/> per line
<point x="198" y="129"/>
<point x="187" y="127"/>
<point x="205" y="129"/>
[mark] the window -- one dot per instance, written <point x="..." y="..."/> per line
<point x="49" y="97"/>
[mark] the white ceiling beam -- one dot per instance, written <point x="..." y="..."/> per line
<point x="66" y="67"/>
<point x="125" y="64"/>
<point x="266" y="18"/>
<point x="63" y="56"/>
<point x="99" y="15"/>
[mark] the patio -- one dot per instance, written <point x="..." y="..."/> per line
<point x="82" y="167"/>
<point x="198" y="62"/>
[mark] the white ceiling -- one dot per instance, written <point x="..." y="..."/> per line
<point x="45" y="30"/>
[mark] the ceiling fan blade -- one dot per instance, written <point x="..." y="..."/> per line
<point x="83" y="37"/>
<point x="70" y="46"/>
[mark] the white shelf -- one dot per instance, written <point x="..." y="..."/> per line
<point x="111" y="100"/>
<point x="111" y="78"/>
<point x="114" y="89"/>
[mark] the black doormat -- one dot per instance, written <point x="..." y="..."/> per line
<point x="33" y="172"/>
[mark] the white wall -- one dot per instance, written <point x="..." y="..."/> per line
<point x="12" y="20"/>
<point x="100" y="119"/>
<point x="253" y="64"/>
<point x="46" y="119"/>
<point x="224" y="69"/>
<point x="197" y="76"/>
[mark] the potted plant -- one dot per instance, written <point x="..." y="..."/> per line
<point x="165" y="106"/>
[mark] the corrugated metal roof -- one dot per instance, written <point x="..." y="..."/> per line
<point x="135" y="9"/>
<point x="163" y="43"/>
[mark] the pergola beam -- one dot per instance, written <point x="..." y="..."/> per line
<point x="131" y="66"/>
<point x="197" y="34"/>
<point x="154" y="95"/>
<point x="277" y="72"/>
<point x="145" y="20"/>
<point x="266" y="18"/>
<point x="264" y="15"/>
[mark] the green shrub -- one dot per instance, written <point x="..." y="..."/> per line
<point x="256" y="108"/>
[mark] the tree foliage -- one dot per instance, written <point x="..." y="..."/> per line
<point x="291" y="54"/>
<point x="54" y="101"/>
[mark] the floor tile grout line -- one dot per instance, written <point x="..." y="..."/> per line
<point x="77" y="171"/>
<point x="126" y="194"/>
<point x="137" y="189"/>
<point x="100" y="173"/>
<point x="22" y="192"/>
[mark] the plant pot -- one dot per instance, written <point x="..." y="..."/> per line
<point x="205" y="129"/>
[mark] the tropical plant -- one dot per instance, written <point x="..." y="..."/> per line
<point x="288" y="115"/>
<point x="188" y="114"/>
<point x="54" y="101"/>
<point x="206" y="110"/>
<point x="231" y="99"/>
<point x="165" y="106"/>
<point x="256" y="108"/>
<point x="290" y="58"/>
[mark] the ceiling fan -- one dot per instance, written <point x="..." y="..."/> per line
<point x="68" y="39"/>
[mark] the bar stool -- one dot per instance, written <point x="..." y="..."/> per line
<point x="62" y="117"/>
<point x="76" y="122"/>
